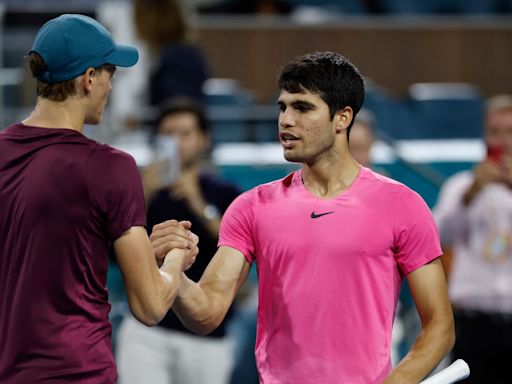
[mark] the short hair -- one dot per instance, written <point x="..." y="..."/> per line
<point x="329" y="75"/>
<point x="180" y="104"/>
<point x="61" y="90"/>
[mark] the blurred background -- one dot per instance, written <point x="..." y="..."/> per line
<point x="429" y="65"/>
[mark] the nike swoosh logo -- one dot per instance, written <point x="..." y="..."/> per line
<point x="317" y="215"/>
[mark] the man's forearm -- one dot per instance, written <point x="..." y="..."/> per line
<point x="161" y="290"/>
<point x="171" y="274"/>
<point x="432" y="345"/>
<point x="197" y="310"/>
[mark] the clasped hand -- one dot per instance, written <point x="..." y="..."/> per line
<point x="173" y="239"/>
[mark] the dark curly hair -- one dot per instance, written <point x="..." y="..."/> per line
<point x="329" y="75"/>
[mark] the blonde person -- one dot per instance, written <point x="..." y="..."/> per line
<point x="64" y="201"/>
<point x="474" y="214"/>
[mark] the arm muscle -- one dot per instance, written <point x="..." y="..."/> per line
<point x="202" y="306"/>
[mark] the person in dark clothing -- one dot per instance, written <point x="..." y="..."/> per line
<point x="65" y="200"/>
<point x="179" y="67"/>
<point x="169" y="353"/>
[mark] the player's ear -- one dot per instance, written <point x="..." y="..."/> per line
<point x="343" y="118"/>
<point x="88" y="79"/>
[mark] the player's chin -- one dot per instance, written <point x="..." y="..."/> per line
<point x="293" y="156"/>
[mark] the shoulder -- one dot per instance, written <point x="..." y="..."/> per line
<point x="393" y="196"/>
<point x="111" y="167"/>
<point x="10" y="130"/>
<point x="377" y="182"/>
<point x="277" y="189"/>
<point x="111" y="156"/>
<point x="270" y="191"/>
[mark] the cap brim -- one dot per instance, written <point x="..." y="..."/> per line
<point x="123" y="56"/>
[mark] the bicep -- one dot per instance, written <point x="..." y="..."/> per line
<point x="428" y="288"/>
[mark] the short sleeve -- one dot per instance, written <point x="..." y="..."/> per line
<point x="416" y="236"/>
<point x="236" y="230"/>
<point x="116" y="190"/>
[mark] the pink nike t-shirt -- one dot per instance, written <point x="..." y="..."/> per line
<point x="329" y="273"/>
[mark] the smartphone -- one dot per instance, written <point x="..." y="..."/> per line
<point x="495" y="153"/>
<point x="166" y="151"/>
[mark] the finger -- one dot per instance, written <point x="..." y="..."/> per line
<point x="185" y="224"/>
<point x="176" y="241"/>
<point x="190" y="260"/>
<point x="188" y="266"/>
<point x="161" y="236"/>
<point x="165" y="224"/>
<point x="193" y="239"/>
<point x="162" y="251"/>
<point x="174" y="230"/>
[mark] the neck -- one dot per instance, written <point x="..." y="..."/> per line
<point x="332" y="176"/>
<point x="52" y="114"/>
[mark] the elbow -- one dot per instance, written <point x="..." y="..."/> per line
<point x="148" y="320"/>
<point x="149" y="315"/>
<point x="200" y="331"/>
<point x="202" y="327"/>
<point x="213" y="323"/>
<point x="150" y="308"/>
<point x="205" y="329"/>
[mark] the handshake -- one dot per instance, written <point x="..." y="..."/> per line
<point x="173" y="240"/>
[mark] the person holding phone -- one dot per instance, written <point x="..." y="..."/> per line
<point x="169" y="353"/>
<point x="474" y="215"/>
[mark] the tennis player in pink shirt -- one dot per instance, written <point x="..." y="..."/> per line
<point x="332" y="243"/>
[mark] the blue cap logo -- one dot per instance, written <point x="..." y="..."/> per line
<point x="69" y="44"/>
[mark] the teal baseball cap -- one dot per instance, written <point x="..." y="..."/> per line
<point x="71" y="43"/>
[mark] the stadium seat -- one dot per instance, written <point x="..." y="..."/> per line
<point x="226" y="106"/>
<point x="447" y="110"/>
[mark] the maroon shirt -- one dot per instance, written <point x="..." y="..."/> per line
<point x="63" y="200"/>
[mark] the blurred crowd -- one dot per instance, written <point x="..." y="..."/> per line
<point x="163" y="103"/>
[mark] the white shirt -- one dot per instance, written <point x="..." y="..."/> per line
<point x="481" y="237"/>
